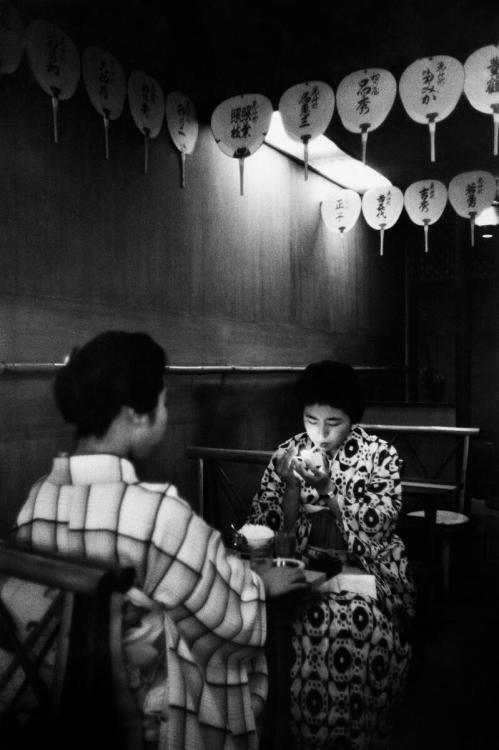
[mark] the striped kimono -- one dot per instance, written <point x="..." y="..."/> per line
<point x="204" y="606"/>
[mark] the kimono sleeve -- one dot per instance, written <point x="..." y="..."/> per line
<point x="214" y="599"/>
<point x="372" y="503"/>
<point x="266" y="508"/>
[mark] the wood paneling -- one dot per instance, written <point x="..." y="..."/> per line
<point x="89" y="244"/>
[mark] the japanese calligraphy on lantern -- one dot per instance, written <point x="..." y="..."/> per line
<point x="147" y="106"/>
<point x="306" y="110"/>
<point x="481" y="84"/>
<point x="239" y="126"/>
<point x="54" y="62"/>
<point x="105" y="84"/>
<point x="381" y="207"/>
<point x="11" y="38"/>
<point x="470" y="193"/>
<point x="182" y="124"/>
<point x="340" y="210"/>
<point x="364" y="99"/>
<point x="425" y="202"/>
<point x="430" y="89"/>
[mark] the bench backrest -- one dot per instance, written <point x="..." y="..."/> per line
<point x="436" y="454"/>
<point x="86" y="700"/>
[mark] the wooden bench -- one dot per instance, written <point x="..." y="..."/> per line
<point x="88" y="703"/>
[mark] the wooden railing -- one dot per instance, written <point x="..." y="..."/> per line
<point x="88" y="702"/>
<point x="421" y="481"/>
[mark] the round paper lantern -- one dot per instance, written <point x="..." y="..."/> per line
<point x="239" y="126"/>
<point x="425" y="201"/>
<point x="381" y="207"/>
<point x="306" y="110"/>
<point x="364" y="99"/>
<point x="11" y="38"/>
<point x="105" y="84"/>
<point x="481" y="84"/>
<point x="340" y="210"/>
<point x="147" y="106"/>
<point x="182" y="124"/>
<point x="470" y="193"/>
<point x="430" y="89"/>
<point x="54" y="62"/>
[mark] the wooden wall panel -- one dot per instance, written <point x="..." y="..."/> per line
<point x="89" y="244"/>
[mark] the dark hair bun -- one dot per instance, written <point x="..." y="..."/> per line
<point x="114" y="369"/>
<point x="333" y="383"/>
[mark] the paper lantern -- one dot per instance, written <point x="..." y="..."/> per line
<point x="470" y="193"/>
<point x="381" y="207"/>
<point x="481" y="84"/>
<point x="147" y="106"/>
<point x="430" y="89"/>
<point x="182" y="124"/>
<point x="340" y="210"/>
<point x="364" y="99"/>
<point x="425" y="201"/>
<point x="239" y="126"/>
<point x="105" y="84"/>
<point x="54" y="62"/>
<point x="11" y="38"/>
<point x="306" y="110"/>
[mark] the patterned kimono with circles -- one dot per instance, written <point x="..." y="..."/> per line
<point x="350" y="650"/>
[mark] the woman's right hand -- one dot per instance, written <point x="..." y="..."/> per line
<point x="285" y="467"/>
<point x="279" y="581"/>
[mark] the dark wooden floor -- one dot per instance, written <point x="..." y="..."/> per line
<point x="451" y="697"/>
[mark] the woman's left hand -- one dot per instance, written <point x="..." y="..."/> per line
<point x="315" y="477"/>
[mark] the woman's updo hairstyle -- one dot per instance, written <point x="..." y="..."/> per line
<point x="114" y="369"/>
<point x="334" y="384"/>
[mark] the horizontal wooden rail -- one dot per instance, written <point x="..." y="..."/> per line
<point x="26" y="368"/>
<point x="80" y="575"/>
<point x="423" y="429"/>
<point x="228" y="454"/>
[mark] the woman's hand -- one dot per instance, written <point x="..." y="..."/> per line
<point x="285" y="467"/>
<point x="315" y="477"/>
<point x="279" y="581"/>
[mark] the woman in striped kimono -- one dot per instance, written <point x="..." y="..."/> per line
<point x="195" y="651"/>
<point x="351" y="651"/>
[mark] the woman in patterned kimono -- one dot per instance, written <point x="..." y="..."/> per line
<point x="194" y="653"/>
<point x="351" y="653"/>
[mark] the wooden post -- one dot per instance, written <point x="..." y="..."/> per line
<point x="463" y="251"/>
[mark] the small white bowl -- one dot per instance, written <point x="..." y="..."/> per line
<point x="287" y="562"/>
<point x="258" y="536"/>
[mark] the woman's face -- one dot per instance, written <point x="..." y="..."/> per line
<point x="326" y="426"/>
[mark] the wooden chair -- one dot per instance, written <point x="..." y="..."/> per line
<point x="436" y="514"/>
<point x="85" y="700"/>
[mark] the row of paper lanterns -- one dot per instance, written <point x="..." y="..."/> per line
<point x="429" y="89"/>
<point x="469" y="194"/>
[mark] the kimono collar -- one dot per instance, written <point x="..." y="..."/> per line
<point x="102" y="468"/>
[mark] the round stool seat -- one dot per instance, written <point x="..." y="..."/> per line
<point x="444" y="517"/>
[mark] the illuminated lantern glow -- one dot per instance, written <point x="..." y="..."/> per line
<point x="430" y="89"/>
<point x="425" y="202"/>
<point x="364" y="100"/>
<point x="381" y="208"/>
<point x="340" y="210"/>
<point x="306" y="110"/>
<point x="481" y="84"/>
<point x="239" y="126"/>
<point x="147" y="107"/>
<point x="106" y="86"/>
<point x="55" y="63"/>
<point x="182" y="124"/>
<point x="470" y="193"/>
